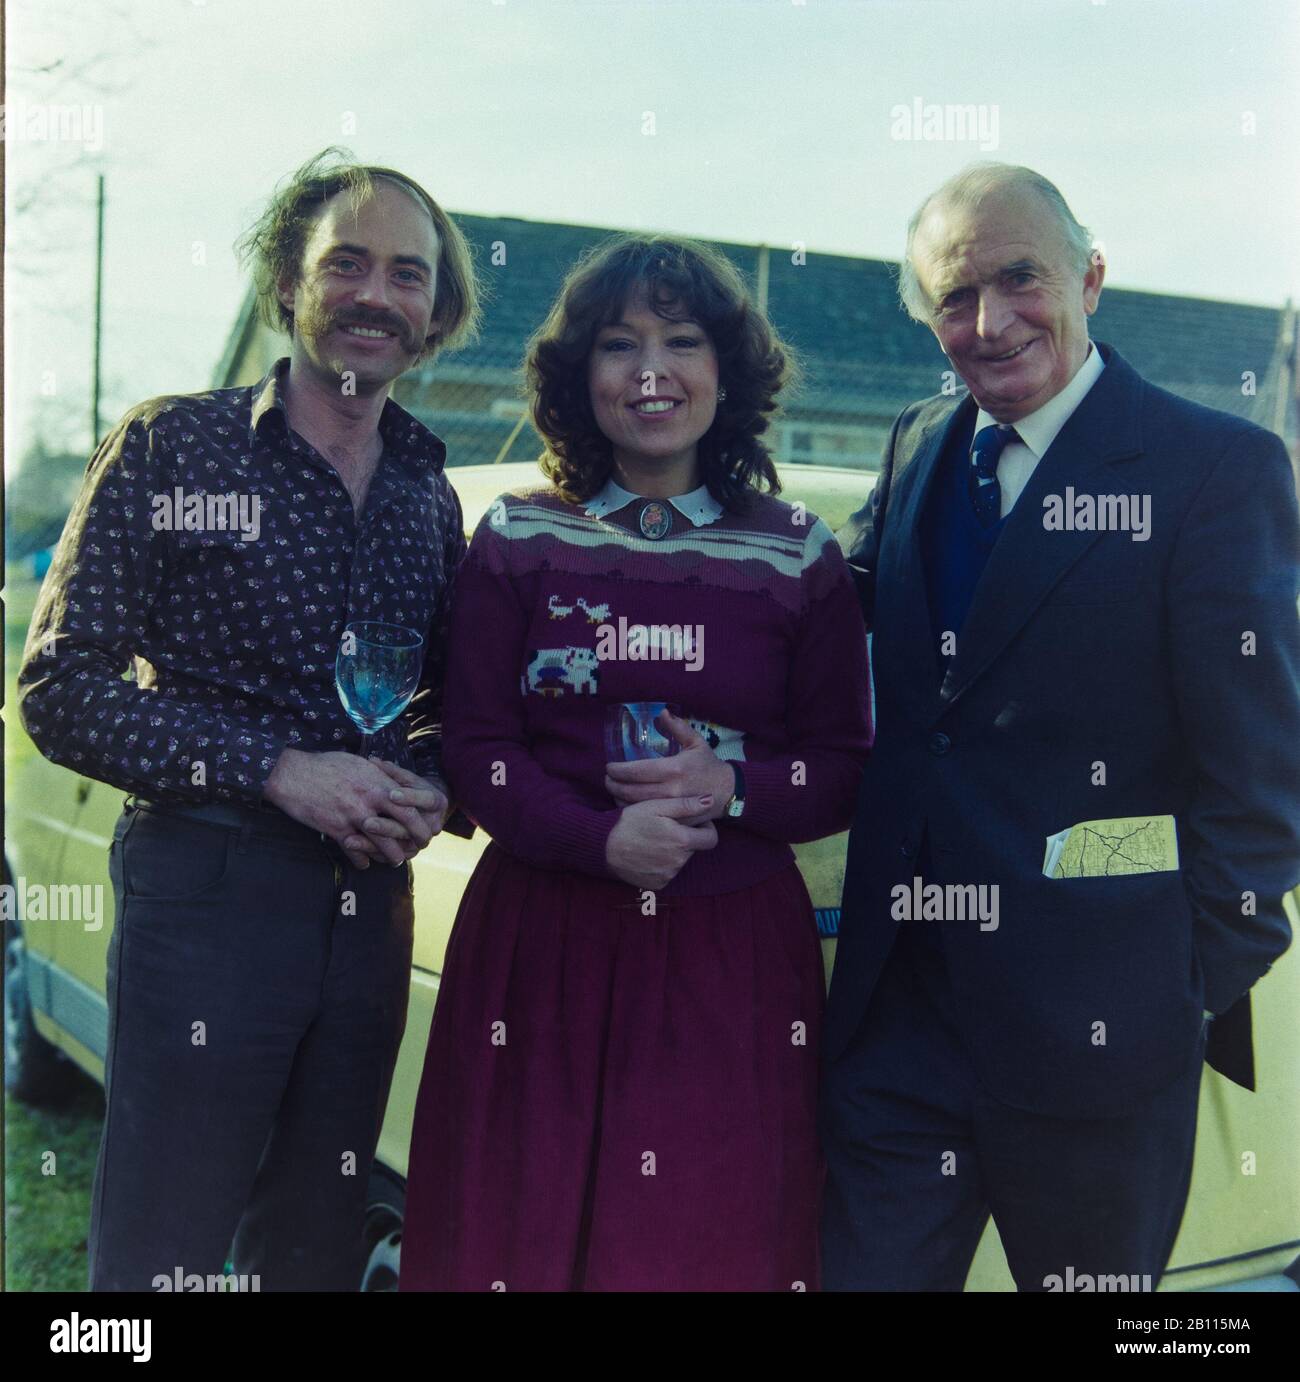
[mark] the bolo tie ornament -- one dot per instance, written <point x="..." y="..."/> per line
<point x="655" y="520"/>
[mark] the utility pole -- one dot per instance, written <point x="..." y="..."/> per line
<point x="99" y="297"/>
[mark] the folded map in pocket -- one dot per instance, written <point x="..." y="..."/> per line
<point x="1101" y="849"/>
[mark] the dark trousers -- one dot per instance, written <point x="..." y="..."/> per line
<point x="257" y="990"/>
<point x="918" y="1154"/>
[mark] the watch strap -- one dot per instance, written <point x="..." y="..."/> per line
<point x="736" y="805"/>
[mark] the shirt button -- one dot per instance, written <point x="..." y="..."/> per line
<point x="940" y="744"/>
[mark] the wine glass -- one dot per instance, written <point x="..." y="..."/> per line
<point x="376" y="672"/>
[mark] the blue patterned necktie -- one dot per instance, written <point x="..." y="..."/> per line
<point x="986" y="493"/>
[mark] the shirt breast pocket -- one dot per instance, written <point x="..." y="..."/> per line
<point x="220" y="549"/>
<point x="215" y="540"/>
<point x="252" y="585"/>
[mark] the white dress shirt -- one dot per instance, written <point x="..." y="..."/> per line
<point x="1037" y="430"/>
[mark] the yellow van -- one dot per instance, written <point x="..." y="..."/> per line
<point x="1242" y="1225"/>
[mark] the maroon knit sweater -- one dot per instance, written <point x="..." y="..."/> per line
<point x="771" y="665"/>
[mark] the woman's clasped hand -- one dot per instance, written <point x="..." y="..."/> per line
<point x="669" y="805"/>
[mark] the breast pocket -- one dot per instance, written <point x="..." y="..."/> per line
<point x="225" y="556"/>
<point x="1093" y="590"/>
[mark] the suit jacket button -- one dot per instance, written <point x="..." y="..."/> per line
<point x="940" y="744"/>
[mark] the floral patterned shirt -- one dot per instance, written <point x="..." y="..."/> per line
<point x="217" y="554"/>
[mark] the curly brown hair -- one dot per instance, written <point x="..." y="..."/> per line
<point x="680" y="278"/>
<point x="273" y="245"/>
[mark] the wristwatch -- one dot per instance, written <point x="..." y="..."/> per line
<point x="736" y="803"/>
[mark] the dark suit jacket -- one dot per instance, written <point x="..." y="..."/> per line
<point x="1083" y="648"/>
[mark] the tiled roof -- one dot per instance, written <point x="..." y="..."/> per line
<point x="862" y="354"/>
<point x="842" y="314"/>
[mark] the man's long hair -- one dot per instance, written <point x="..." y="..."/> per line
<point x="274" y="244"/>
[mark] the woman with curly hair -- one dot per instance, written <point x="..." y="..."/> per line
<point x="657" y="682"/>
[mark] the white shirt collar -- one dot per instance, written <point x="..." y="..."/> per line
<point x="698" y="507"/>
<point x="1038" y="429"/>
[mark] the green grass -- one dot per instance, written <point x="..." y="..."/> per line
<point x="47" y="1216"/>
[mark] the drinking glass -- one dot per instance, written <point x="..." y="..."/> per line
<point x="376" y="672"/>
<point x="632" y="731"/>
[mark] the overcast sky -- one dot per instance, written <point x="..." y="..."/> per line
<point x="1170" y="125"/>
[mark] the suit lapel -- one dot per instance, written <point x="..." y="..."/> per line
<point x="917" y="650"/>
<point x="1028" y="559"/>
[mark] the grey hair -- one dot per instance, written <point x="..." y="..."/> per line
<point x="966" y="189"/>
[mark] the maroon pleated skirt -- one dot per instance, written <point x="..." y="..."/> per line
<point x="615" y="1101"/>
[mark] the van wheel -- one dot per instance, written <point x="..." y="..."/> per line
<point x="34" y="1070"/>
<point x="385" y="1204"/>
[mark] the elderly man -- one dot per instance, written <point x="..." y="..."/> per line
<point x="259" y="966"/>
<point x="1083" y="597"/>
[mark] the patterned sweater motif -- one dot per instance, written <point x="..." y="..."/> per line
<point x="750" y="624"/>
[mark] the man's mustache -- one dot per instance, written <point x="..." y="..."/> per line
<point x="376" y="320"/>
